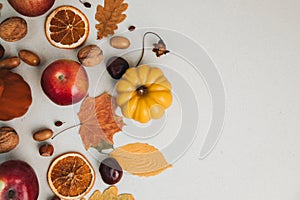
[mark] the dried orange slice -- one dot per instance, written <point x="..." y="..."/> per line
<point x="67" y="27"/>
<point x="71" y="176"/>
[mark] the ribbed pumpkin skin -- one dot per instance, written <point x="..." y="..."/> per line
<point x="149" y="105"/>
<point x="15" y="95"/>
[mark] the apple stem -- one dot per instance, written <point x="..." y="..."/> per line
<point x="66" y="130"/>
<point x="11" y="194"/>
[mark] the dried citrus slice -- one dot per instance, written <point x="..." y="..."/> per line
<point x="66" y="27"/>
<point x="71" y="176"/>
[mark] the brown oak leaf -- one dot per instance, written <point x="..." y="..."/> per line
<point x="109" y="16"/>
<point x="99" y="122"/>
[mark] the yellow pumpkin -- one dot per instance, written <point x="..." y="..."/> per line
<point x="143" y="93"/>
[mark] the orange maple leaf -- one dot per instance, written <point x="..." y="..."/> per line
<point x="99" y="122"/>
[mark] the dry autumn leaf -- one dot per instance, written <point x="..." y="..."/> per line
<point x="140" y="159"/>
<point x="125" y="197"/>
<point x="99" y="122"/>
<point x="109" y="16"/>
<point x="96" y="195"/>
<point x="110" y="193"/>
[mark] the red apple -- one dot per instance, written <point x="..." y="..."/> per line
<point x="18" y="181"/>
<point x="31" y="8"/>
<point x="65" y="82"/>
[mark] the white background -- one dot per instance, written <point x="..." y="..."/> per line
<point x="255" y="45"/>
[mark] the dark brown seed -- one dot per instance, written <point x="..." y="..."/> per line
<point x="58" y="123"/>
<point x="131" y="28"/>
<point x="87" y="4"/>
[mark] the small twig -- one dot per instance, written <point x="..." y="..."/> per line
<point x="74" y="126"/>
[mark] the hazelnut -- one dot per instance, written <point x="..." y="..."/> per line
<point x="90" y="55"/>
<point x="46" y="150"/>
<point x="9" y="139"/>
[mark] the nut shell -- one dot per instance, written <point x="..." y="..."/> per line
<point x="29" y="57"/>
<point x="46" y="150"/>
<point x="43" y="135"/>
<point x="9" y="139"/>
<point x="13" y="29"/>
<point x="90" y="55"/>
<point x="119" y="42"/>
<point x="10" y="63"/>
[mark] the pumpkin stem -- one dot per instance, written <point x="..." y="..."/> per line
<point x="66" y="130"/>
<point x="143" y="48"/>
<point x="142" y="90"/>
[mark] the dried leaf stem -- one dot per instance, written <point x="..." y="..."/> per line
<point x="143" y="47"/>
<point x="74" y="126"/>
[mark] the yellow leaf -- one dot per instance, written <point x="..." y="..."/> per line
<point x="96" y="195"/>
<point x="125" y="197"/>
<point x="140" y="159"/>
<point x="110" y="193"/>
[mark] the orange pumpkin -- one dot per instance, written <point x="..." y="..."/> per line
<point x="15" y="95"/>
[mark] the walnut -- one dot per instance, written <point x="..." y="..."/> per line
<point x="9" y="139"/>
<point x="90" y="55"/>
<point x="13" y="29"/>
